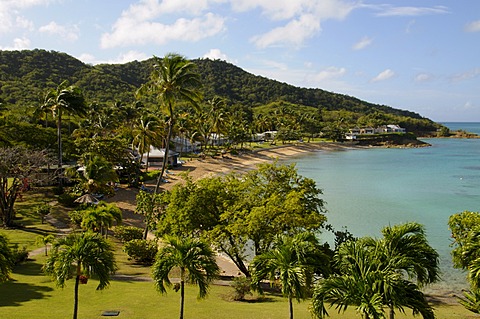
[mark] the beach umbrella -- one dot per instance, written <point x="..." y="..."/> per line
<point x="87" y="199"/>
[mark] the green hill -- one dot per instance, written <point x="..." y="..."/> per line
<point x="25" y="76"/>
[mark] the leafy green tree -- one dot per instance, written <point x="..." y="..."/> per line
<point x="241" y="213"/>
<point x="174" y="79"/>
<point x="64" y="99"/>
<point x="195" y="260"/>
<point x="149" y="206"/>
<point x="81" y="256"/>
<point x="291" y="263"/>
<point x="6" y="259"/>
<point x="19" y="167"/>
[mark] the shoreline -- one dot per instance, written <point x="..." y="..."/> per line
<point x="211" y="166"/>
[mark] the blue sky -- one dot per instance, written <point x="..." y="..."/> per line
<point x="417" y="55"/>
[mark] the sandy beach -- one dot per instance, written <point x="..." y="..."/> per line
<point x="210" y="166"/>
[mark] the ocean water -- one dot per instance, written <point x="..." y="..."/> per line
<point x="367" y="189"/>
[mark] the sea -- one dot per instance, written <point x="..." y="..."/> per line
<point x="368" y="189"/>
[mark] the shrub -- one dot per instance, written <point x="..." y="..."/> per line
<point x="141" y="250"/>
<point x="67" y="199"/>
<point x="242" y="287"/>
<point x="76" y="217"/>
<point x="19" y="255"/>
<point x="128" y="233"/>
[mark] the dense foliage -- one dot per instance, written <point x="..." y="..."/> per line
<point x="25" y="75"/>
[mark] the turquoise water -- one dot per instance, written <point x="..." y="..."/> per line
<point x="367" y="189"/>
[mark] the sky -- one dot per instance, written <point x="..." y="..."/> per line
<point x="416" y="55"/>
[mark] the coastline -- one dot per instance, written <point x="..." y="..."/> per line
<point x="211" y="166"/>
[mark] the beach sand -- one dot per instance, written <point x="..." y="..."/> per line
<point x="200" y="168"/>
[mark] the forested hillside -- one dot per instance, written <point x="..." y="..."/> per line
<point x="25" y="76"/>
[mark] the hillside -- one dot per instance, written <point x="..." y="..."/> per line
<point x="25" y="76"/>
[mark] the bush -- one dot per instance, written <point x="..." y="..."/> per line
<point x="67" y="199"/>
<point x="76" y="217"/>
<point x="19" y="255"/>
<point x="128" y="233"/>
<point x="242" y="287"/>
<point x="141" y="250"/>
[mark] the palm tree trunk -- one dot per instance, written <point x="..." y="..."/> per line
<point x="75" y="302"/>
<point x="182" y="291"/>
<point x="290" y="304"/>
<point x="59" y="142"/>
<point x="165" y="156"/>
<point x="392" y="312"/>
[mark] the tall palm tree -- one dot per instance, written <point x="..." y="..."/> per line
<point x="195" y="260"/>
<point x="291" y="262"/>
<point x="65" y="98"/>
<point x="173" y="80"/>
<point x="81" y="256"/>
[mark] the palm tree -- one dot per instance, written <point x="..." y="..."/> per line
<point x="101" y="217"/>
<point x="65" y="98"/>
<point x="292" y="262"/>
<point x="44" y="240"/>
<point x="370" y="278"/>
<point x="195" y="260"/>
<point x="81" y="256"/>
<point x="145" y="134"/>
<point x="6" y="259"/>
<point x="405" y="248"/>
<point x="173" y="80"/>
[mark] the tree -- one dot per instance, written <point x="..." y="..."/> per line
<point x="173" y="80"/>
<point x="465" y="229"/>
<point x="145" y="134"/>
<point x="291" y="262"/>
<point x="97" y="174"/>
<point x="81" y="256"/>
<point x="195" y="260"/>
<point x="242" y="214"/>
<point x="44" y="240"/>
<point x="19" y="169"/>
<point x="65" y="98"/>
<point x="370" y="275"/>
<point x="101" y="217"/>
<point x="6" y="259"/>
<point x="148" y="205"/>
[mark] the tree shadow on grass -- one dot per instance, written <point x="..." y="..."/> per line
<point x="29" y="268"/>
<point x="15" y="293"/>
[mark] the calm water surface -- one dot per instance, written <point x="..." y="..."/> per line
<point x="367" y="189"/>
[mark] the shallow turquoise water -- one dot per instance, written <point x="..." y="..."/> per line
<point x="367" y="189"/>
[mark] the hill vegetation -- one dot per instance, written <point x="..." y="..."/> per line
<point x="25" y="76"/>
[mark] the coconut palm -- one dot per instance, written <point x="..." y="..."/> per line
<point x="6" y="259"/>
<point x="291" y="263"/>
<point x="405" y="248"/>
<point x="145" y="134"/>
<point x="195" y="260"/>
<point x="370" y="279"/>
<point x="81" y="256"/>
<point x="65" y="98"/>
<point x="173" y="80"/>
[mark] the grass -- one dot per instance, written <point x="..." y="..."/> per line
<point x="31" y="292"/>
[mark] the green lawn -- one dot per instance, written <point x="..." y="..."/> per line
<point x="30" y="294"/>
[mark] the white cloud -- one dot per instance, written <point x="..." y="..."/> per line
<point x="424" y="77"/>
<point x="67" y="33"/>
<point x="384" y="75"/>
<point x="129" y="32"/>
<point x="10" y="17"/>
<point x="388" y="10"/>
<point x="327" y="74"/>
<point x="363" y="43"/>
<point x="294" y="33"/>
<point x="120" y="59"/>
<point x="467" y="75"/>
<point x="303" y="18"/>
<point x="18" y="44"/>
<point x="473" y="26"/>
<point x="216" y="54"/>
